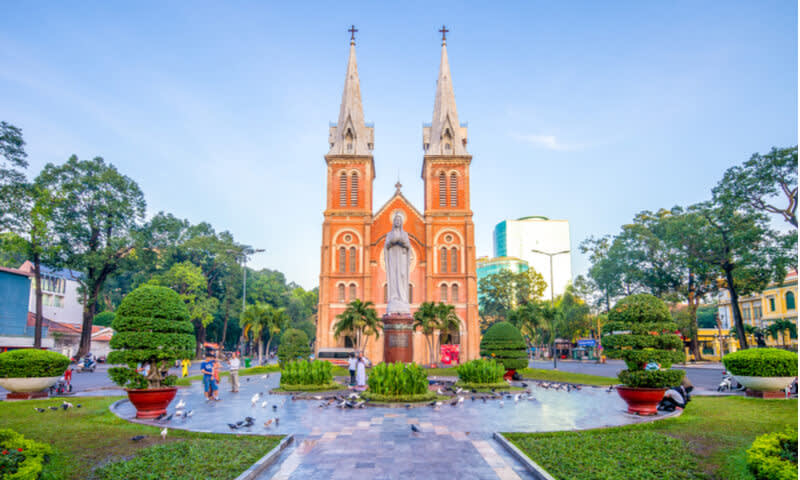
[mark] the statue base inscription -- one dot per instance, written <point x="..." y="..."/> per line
<point x="398" y="345"/>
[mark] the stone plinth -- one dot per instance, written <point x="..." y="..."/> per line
<point x="398" y="345"/>
<point x="761" y="394"/>
<point x="26" y="395"/>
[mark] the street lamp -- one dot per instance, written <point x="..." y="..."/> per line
<point x="242" y="254"/>
<point x="552" y="296"/>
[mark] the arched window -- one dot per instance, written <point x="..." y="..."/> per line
<point x="341" y="293"/>
<point x="342" y="259"/>
<point x="443" y="260"/>
<point x="385" y="293"/>
<point x="442" y="190"/>
<point x="353" y="262"/>
<point x="453" y="190"/>
<point x="454" y="293"/>
<point x="454" y="260"/>
<point x="790" y="301"/>
<point x="343" y="190"/>
<point x="410" y="293"/>
<point x="354" y="189"/>
<point x="352" y="291"/>
<point x="443" y="294"/>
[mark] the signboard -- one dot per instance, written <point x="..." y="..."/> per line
<point x="590" y="342"/>
<point x="398" y="340"/>
<point x="448" y="354"/>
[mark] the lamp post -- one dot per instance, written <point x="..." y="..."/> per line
<point x="242" y="254"/>
<point x="552" y="298"/>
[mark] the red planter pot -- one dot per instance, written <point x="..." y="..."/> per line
<point x="641" y="401"/>
<point x="151" y="402"/>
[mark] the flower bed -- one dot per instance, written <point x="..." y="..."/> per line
<point x="29" y="363"/>
<point x="774" y="456"/>
<point x="762" y="362"/>
<point x="20" y="458"/>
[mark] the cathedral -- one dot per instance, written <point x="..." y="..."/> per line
<point x="442" y="257"/>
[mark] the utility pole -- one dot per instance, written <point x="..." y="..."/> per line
<point x="552" y="302"/>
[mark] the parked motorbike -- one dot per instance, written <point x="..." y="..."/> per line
<point x="61" y="387"/>
<point x="729" y="384"/>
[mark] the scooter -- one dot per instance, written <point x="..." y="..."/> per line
<point x="87" y="365"/>
<point x="729" y="383"/>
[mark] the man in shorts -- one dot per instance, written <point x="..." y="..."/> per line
<point x="209" y="384"/>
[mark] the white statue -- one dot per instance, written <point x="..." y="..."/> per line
<point x="396" y="252"/>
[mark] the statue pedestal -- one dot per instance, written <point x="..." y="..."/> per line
<point x="398" y="345"/>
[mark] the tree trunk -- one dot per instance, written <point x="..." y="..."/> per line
<point x="737" y="313"/>
<point x="225" y="327"/>
<point x="200" y="336"/>
<point x="37" y="272"/>
<point x="89" y="310"/>
<point x="260" y="354"/>
<point x="694" y="344"/>
<point x="267" y="349"/>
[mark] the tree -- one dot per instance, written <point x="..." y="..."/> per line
<point x="779" y="327"/>
<point x="525" y="317"/>
<point x="104" y="319"/>
<point x="447" y="319"/>
<point x="604" y="273"/>
<point x="13" y="161"/>
<point x="761" y="181"/>
<point x="426" y="319"/>
<point x="502" y="291"/>
<point x="99" y="208"/>
<point x="262" y="318"/>
<point x="294" y="345"/>
<point x="360" y="319"/>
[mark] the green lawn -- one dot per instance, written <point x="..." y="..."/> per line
<point x="708" y="440"/>
<point x="567" y="377"/>
<point x="91" y="436"/>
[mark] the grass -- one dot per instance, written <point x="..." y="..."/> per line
<point x="92" y="436"/>
<point x="708" y="441"/>
<point x="566" y="377"/>
<point x="187" y="381"/>
<point x="377" y="398"/>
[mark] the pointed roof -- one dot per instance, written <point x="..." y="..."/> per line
<point x="446" y="135"/>
<point x="350" y="135"/>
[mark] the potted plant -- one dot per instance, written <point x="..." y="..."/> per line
<point x="762" y="369"/>
<point x="640" y="331"/>
<point x="153" y="330"/>
<point x="27" y="372"/>
<point x="504" y="344"/>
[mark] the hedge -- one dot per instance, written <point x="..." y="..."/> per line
<point x="31" y="362"/>
<point x="304" y="372"/>
<point x="640" y="308"/>
<point x="762" y="362"/>
<point x="503" y="342"/>
<point x="34" y="453"/>
<point x="774" y="456"/>
<point x="410" y="398"/>
<point x="651" y="379"/>
<point x="396" y="379"/>
<point x="480" y="372"/>
<point x="294" y="345"/>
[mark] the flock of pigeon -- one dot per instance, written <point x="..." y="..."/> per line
<point x="64" y="406"/>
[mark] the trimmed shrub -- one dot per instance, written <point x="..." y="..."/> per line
<point x="152" y="327"/>
<point x="480" y="372"/>
<point x="396" y="379"/>
<point x="304" y="372"/>
<point x="503" y="342"/>
<point x="104" y="319"/>
<point x="774" y="456"/>
<point x="640" y="331"/>
<point x="29" y="362"/>
<point x="294" y="345"/>
<point x="762" y="362"/>
<point x="24" y="459"/>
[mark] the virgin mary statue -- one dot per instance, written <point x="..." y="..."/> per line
<point x="396" y="252"/>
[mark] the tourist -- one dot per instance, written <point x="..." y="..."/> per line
<point x="351" y="365"/>
<point x="361" y="373"/>
<point x="216" y="378"/>
<point x="234" y="363"/>
<point x="207" y="368"/>
<point x="185" y="364"/>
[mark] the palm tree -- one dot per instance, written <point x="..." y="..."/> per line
<point x="275" y="323"/>
<point x="779" y="327"/>
<point x="252" y="321"/>
<point x="359" y="318"/>
<point x="427" y="320"/>
<point x="525" y="317"/>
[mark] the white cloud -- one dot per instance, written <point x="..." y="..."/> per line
<point x="549" y="142"/>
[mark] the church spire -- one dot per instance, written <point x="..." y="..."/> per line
<point x="350" y="135"/>
<point x="445" y="136"/>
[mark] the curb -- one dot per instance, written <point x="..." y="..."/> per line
<point x="538" y="472"/>
<point x="266" y="460"/>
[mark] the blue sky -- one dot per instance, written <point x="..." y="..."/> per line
<point x="586" y="111"/>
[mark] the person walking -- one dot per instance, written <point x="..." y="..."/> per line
<point x="234" y="363"/>
<point x="185" y="364"/>
<point x="216" y="378"/>
<point x="361" y="373"/>
<point x="352" y="363"/>
<point x="207" y="368"/>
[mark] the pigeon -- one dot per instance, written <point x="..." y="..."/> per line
<point x="249" y="419"/>
<point x="415" y="428"/>
<point x="484" y="399"/>
<point x="66" y="405"/>
<point x="138" y="438"/>
<point x="255" y="398"/>
<point x="268" y="423"/>
<point x="502" y="403"/>
<point x="473" y="398"/>
<point x="454" y="402"/>
<point x="460" y="399"/>
<point x="459" y="390"/>
<point x="233" y="426"/>
<point x="317" y="397"/>
<point x="440" y="392"/>
<point x="78" y="405"/>
<point x="164" y="433"/>
<point x="40" y="410"/>
<point x="264" y="404"/>
<point x="161" y="417"/>
<point x="432" y="404"/>
<point x="516" y="398"/>
<point x="438" y="404"/>
<point x="277" y="420"/>
<point x="274" y="407"/>
<point x="240" y="423"/>
<point x="189" y="413"/>
<point x="408" y="405"/>
<point x="263" y="377"/>
<point x="524" y="384"/>
<point x="353" y="395"/>
<point x="180" y="404"/>
<point x="55" y="409"/>
<point x="247" y="379"/>
<point x="610" y="389"/>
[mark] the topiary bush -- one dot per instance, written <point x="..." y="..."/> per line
<point x="503" y="342"/>
<point x="152" y="327"/>
<point x="21" y="458"/>
<point x="294" y="345"/>
<point x="304" y="372"/>
<point x="28" y="362"/>
<point x="640" y="331"/>
<point x="481" y="372"/>
<point x="774" y="456"/>
<point x="104" y="319"/>
<point x="396" y="379"/>
<point x="762" y="362"/>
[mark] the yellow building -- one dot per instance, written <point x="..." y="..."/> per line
<point x="776" y="302"/>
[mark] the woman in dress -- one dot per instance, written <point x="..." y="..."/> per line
<point x="361" y="373"/>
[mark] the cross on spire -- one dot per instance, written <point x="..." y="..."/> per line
<point x="398" y="186"/>
<point x="444" y="31"/>
<point x="352" y="31"/>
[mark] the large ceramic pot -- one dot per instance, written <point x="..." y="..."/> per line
<point x="641" y="401"/>
<point x="28" y="385"/>
<point x="764" y="384"/>
<point x="151" y="402"/>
